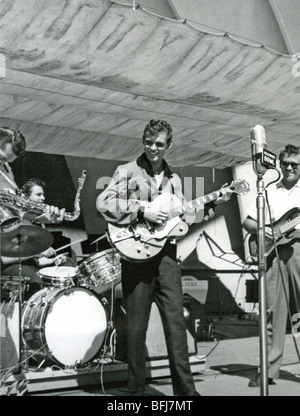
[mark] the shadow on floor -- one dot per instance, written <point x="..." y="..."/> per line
<point x="249" y="371"/>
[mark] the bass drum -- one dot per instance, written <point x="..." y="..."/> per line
<point x="68" y="326"/>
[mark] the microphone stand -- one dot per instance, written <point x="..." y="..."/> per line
<point x="262" y="267"/>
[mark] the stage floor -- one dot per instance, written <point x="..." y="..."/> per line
<point x="231" y="359"/>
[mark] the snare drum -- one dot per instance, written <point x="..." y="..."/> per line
<point x="100" y="271"/>
<point x="58" y="276"/>
<point x="65" y="325"/>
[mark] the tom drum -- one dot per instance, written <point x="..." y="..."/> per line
<point x="100" y="271"/>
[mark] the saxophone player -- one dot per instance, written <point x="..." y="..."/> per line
<point x="13" y="145"/>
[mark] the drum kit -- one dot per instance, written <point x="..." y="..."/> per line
<point x="67" y="322"/>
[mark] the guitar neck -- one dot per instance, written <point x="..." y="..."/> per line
<point x="187" y="206"/>
<point x="175" y="207"/>
<point x="290" y="225"/>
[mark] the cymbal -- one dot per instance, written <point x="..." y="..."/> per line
<point x="26" y="240"/>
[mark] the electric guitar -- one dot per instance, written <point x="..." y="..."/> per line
<point x="143" y="240"/>
<point x="283" y="233"/>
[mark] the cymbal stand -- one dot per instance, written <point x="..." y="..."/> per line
<point x="20" y="303"/>
<point x="262" y="267"/>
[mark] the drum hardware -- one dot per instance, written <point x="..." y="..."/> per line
<point x="21" y="243"/>
<point x="40" y="365"/>
<point x="10" y="287"/>
<point x="104" y="300"/>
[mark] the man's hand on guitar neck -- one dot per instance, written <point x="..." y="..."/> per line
<point x="225" y="194"/>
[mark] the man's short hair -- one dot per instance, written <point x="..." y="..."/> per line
<point x="154" y="127"/>
<point x="27" y="187"/>
<point x="289" y="150"/>
<point x="16" y="138"/>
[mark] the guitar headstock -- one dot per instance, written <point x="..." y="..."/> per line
<point x="240" y="186"/>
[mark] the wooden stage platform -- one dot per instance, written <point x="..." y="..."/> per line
<point x="97" y="373"/>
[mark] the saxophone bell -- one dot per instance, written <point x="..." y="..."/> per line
<point x="9" y="219"/>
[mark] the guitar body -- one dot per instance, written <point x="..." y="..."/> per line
<point x="283" y="233"/>
<point x="143" y="240"/>
<point x="138" y="242"/>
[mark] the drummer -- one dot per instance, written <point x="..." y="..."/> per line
<point x="34" y="189"/>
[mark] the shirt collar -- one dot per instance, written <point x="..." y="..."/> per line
<point x="281" y="185"/>
<point x="144" y="163"/>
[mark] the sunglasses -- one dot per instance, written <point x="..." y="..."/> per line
<point x="294" y="165"/>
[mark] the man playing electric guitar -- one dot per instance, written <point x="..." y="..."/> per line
<point x="284" y="201"/>
<point x="124" y="202"/>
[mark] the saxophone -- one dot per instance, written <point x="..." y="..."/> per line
<point x="12" y="203"/>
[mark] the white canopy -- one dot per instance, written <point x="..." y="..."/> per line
<point x="84" y="77"/>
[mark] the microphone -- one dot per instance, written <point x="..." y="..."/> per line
<point x="262" y="159"/>
<point x="258" y="144"/>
